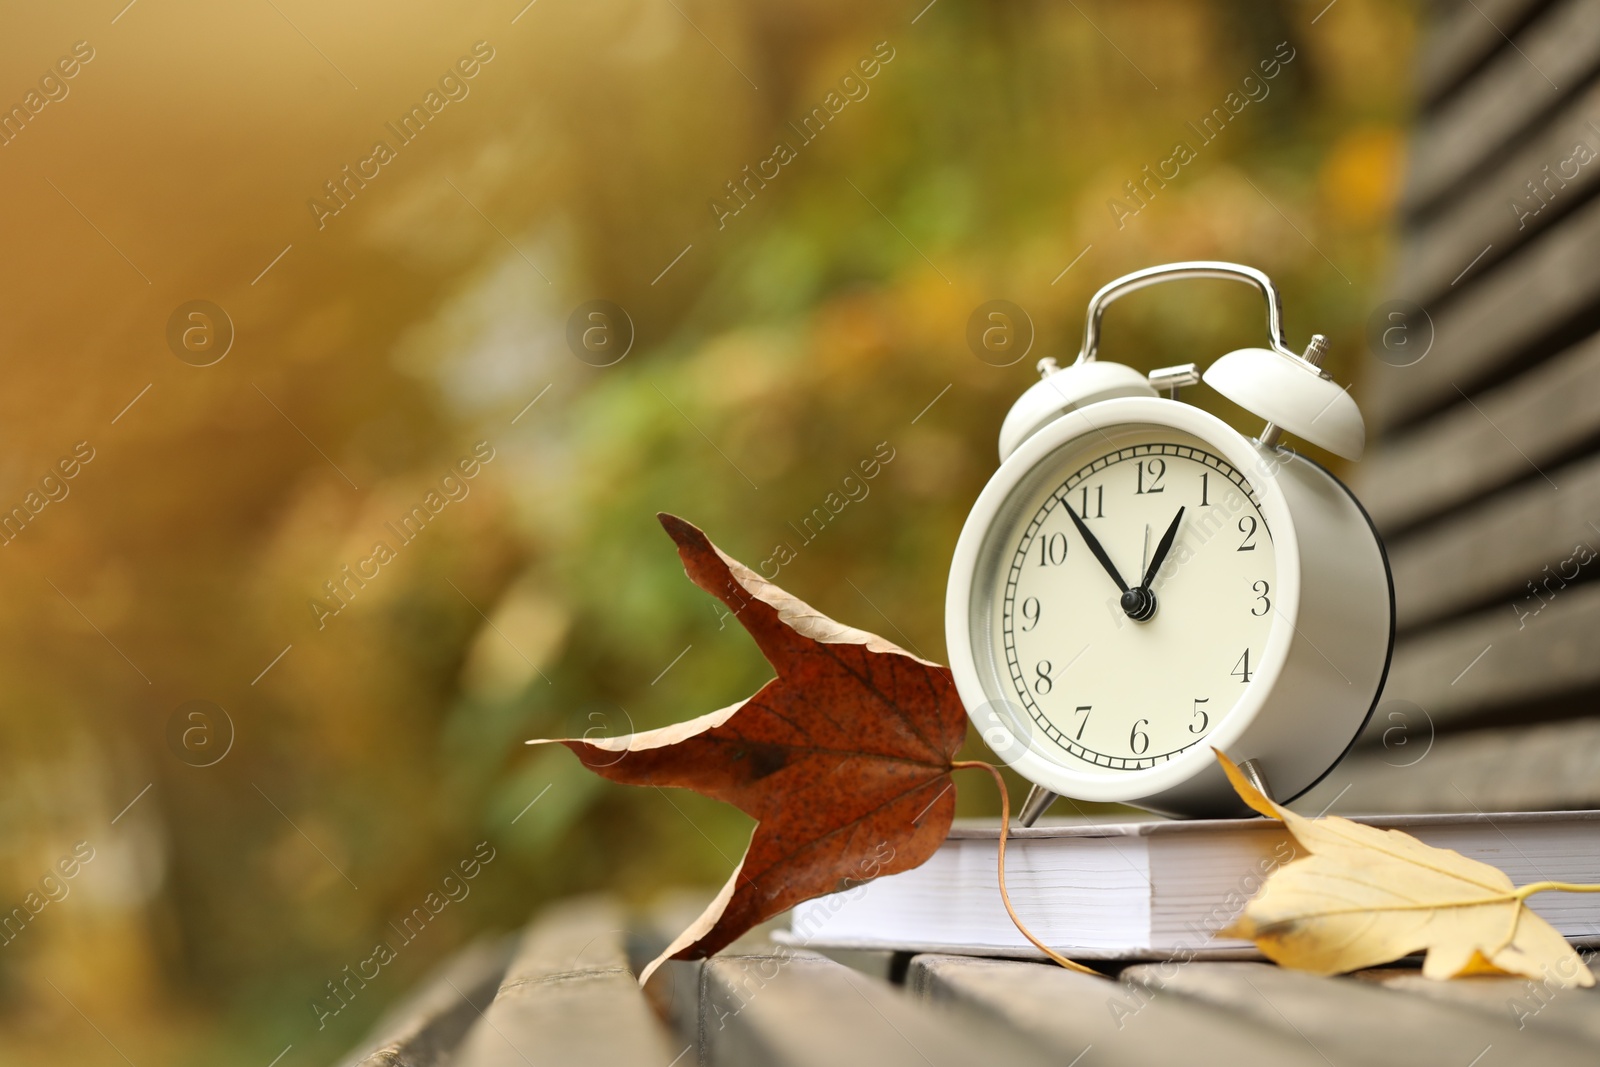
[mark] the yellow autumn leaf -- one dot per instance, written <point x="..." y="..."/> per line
<point x="1366" y="896"/>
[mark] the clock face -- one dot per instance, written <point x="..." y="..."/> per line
<point x="1108" y="681"/>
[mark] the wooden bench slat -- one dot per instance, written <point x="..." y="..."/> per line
<point x="569" y="997"/>
<point x="1538" y="1006"/>
<point x="1552" y="767"/>
<point x="1464" y="36"/>
<point x="1493" y="659"/>
<point x="424" y="1029"/>
<point x="1552" y="54"/>
<point x="874" y="963"/>
<point x="1539" y="531"/>
<point x="1546" y="284"/>
<point x="1468" y="451"/>
<point x="1480" y="216"/>
<point x="674" y="989"/>
<point x="1347" y="1021"/>
<point x="1121" y="1023"/>
<point x="798" y="1008"/>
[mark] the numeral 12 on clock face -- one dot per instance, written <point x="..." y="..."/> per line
<point x="1135" y="600"/>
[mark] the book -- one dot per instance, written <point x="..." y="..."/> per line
<point x="1156" y="889"/>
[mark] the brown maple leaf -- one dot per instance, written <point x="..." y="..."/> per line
<point x="843" y="759"/>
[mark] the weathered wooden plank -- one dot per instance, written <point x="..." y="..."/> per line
<point x="1496" y="659"/>
<point x="425" y="1028"/>
<point x="874" y="963"/>
<point x="1497" y="211"/>
<point x="1464" y="36"/>
<point x="674" y="989"/>
<point x="1552" y="53"/>
<point x="1121" y="1022"/>
<point x="1347" y="1021"/>
<point x="1525" y="546"/>
<point x="1538" y="1006"/>
<point x="674" y="994"/>
<point x="1549" y="282"/>
<point x="1504" y="435"/>
<point x="569" y="997"/>
<point x="1551" y="767"/>
<point x="799" y="1008"/>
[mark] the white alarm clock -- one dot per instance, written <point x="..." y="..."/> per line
<point x="1139" y="582"/>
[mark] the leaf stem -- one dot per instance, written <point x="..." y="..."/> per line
<point x="1526" y="891"/>
<point x="1005" y="897"/>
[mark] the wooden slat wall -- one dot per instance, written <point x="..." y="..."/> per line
<point x="1484" y="473"/>
<point x="1464" y="39"/>
<point x="1495" y="106"/>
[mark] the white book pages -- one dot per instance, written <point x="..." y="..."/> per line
<point x="1149" y="889"/>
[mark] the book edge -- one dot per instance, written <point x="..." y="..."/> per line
<point x="1197" y="826"/>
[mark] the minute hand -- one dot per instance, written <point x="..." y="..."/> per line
<point x="1099" y="553"/>
<point x="1161" y="549"/>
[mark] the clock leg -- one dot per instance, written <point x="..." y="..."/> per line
<point x="1257" y="776"/>
<point x="1039" y="799"/>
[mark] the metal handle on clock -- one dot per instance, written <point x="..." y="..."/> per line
<point x="1171" y="272"/>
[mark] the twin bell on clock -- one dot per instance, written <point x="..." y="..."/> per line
<point x="1139" y="582"/>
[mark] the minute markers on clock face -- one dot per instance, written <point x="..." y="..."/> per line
<point x="1137" y="600"/>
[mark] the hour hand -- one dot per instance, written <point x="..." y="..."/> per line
<point x="1094" y="547"/>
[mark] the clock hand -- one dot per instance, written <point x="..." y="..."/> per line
<point x="1162" y="549"/>
<point x="1099" y="553"/>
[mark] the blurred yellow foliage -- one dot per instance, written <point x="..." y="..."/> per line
<point x="765" y="361"/>
<point x="1360" y="179"/>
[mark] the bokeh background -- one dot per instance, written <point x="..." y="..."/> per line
<point x="342" y="763"/>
